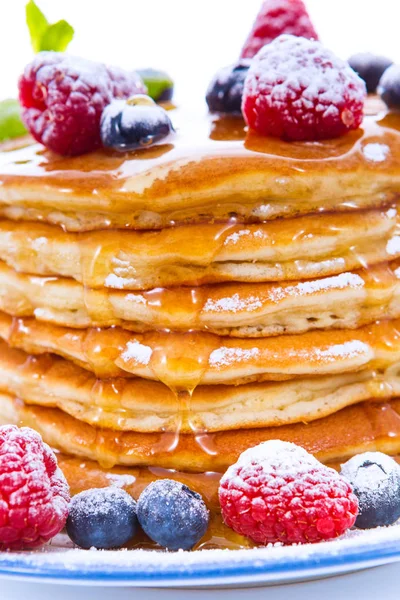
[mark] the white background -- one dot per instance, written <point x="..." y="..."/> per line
<point x="192" y="39"/>
<point x="189" y="38"/>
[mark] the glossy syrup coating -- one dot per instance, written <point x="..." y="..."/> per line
<point x="213" y="170"/>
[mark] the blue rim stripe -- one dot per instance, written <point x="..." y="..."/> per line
<point x="252" y="569"/>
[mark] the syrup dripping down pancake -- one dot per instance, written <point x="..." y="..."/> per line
<point x="344" y="301"/>
<point x="185" y="360"/>
<point x="369" y="426"/>
<point x="212" y="169"/>
<point x="146" y="406"/>
<point x="290" y="249"/>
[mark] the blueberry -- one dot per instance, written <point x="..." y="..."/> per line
<point x="172" y="514"/>
<point x="389" y="86"/>
<point x="134" y="123"/>
<point x="102" y="518"/>
<point x="224" y="94"/>
<point x="375" y="479"/>
<point x="159" y="84"/>
<point x="370" y="68"/>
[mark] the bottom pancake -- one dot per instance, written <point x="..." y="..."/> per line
<point x="367" y="426"/>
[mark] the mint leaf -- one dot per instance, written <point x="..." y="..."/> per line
<point x="57" y="36"/>
<point x="46" y="36"/>
<point x="11" y="125"/>
<point x="159" y="84"/>
<point x="37" y="24"/>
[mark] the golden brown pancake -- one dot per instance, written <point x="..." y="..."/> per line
<point x="369" y="426"/>
<point x="348" y="300"/>
<point x="210" y="170"/>
<point x="289" y="249"/>
<point x="185" y="360"/>
<point x="147" y="406"/>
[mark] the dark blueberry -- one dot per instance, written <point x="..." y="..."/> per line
<point x="389" y="86"/>
<point x="375" y="479"/>
<point x="370" y="68"/>
<point x="172" y="514"/>
<point x="224" y="94"/>
<point x="134" y="123"/>
<point x="159" y="84"/>
<point x="102" y="518"/>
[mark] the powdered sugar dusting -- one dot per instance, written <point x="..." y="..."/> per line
<point x="342" y="281"/>
<point x="113" y="281"/>
<point x="237" y="303"/>
<point x="376" y="152"/>
<point x="136" y="299"/>
<point x="393" y="246"/>
<point x="278" y="456"/>
<point x="224" y="357"/>
<point x="234" y="238"/>
<point x="233" y="304"/>
<point x="138" y="352"/>
<point x="346" y="350"/>
<point x="120" y="481"/>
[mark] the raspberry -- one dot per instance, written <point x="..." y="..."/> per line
<point x="277" y="17"/>
<point x="62" y="98"/>
<point x="296" y="89"/>
<point x="34" y="494"/>
<point x="278" y="492"/>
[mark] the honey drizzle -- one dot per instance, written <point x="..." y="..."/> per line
<point x="180" y="371"/>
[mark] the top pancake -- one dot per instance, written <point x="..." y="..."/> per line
<point x="211" y="170"/>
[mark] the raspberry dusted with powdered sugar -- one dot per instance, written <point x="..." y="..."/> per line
<point x="278" y="492"/>
<point x="34" y="494"/>
<point x="63" y="97"/>
<point x="296" y="89"/>
<point x="275" y="18"/>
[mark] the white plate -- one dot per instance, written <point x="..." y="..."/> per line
<point x="57" y="563"/>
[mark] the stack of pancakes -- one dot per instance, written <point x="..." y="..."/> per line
<point x="169" y="308"/>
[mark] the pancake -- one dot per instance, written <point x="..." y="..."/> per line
<point x="146" y="406"/>
<point x="210" y="170"/>
<point x="369" y="426"/>
<point x="185" y="360"/>
<point x="282" y="250"/>
<point x="344" y="301"/>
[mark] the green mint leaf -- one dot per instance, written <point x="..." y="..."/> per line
<point x="37" y="24"/>
<point x="57" y="36"/>
<point x="11" y="125"/>
<point x="46" y="36"/>
<point x="159" y="84"/>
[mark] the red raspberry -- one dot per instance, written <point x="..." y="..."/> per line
<point x="62" y="98"/>
<point x="296" y="89"/>
<point x="278" y="492"/>
<point x="34" y="494"/>
<point x="277" y="17"/>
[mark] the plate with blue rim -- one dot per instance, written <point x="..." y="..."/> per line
<point x="59" y="563"/>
